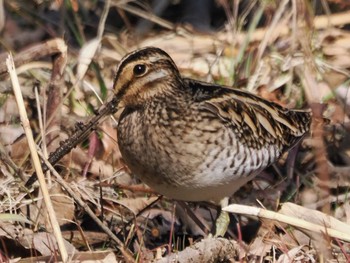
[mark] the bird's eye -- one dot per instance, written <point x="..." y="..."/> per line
<point x="139" y="70"/>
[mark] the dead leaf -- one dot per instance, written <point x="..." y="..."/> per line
<point x="62" y="204"/>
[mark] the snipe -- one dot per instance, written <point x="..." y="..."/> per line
<point x="196" y="141"/>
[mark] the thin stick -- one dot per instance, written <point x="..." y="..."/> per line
<point x="35" y="158"/>
<point x="300" y="223"/>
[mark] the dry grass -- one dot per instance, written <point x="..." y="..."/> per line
<point x="286" y="54"/>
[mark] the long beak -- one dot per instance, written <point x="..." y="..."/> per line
<point x="82" y="132"/>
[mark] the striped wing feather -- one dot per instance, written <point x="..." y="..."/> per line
<point x="254" y="120"/>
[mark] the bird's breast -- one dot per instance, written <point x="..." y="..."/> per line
<point x="190" y="157"/>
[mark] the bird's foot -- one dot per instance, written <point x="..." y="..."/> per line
<point x="221" y="224"/>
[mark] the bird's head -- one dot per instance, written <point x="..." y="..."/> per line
<point x="143" y="75"/>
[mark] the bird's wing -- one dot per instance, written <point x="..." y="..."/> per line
<point x="254" y="119"/>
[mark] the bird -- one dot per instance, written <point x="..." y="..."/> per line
<point x="195" y="141"/>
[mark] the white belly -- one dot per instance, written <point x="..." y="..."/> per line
<point x="205" y="193"/>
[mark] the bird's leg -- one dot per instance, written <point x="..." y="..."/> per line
<point x="223" y="220"/>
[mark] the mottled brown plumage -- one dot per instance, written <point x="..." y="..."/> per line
<point x="196" y="141"/>
<point x="188" y="139"/>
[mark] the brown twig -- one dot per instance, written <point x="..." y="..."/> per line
<point x="53" y="115"/>
<point x="48" y="48"/>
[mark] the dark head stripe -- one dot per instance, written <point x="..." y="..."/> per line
<point x="139" y="54"/>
